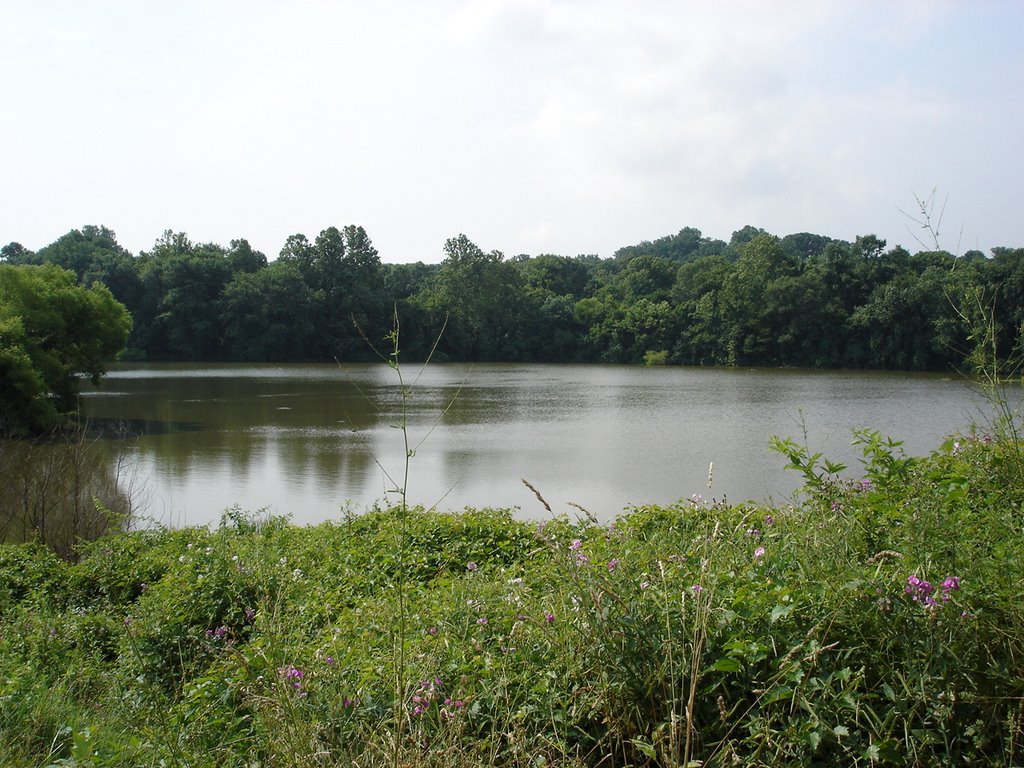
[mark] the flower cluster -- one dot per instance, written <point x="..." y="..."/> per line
<point x="428" y="692"/>
<point x="292" y="677"/>
<point x="576" y="547"/>
<point x="922" y="591"/>
<point x="959" y="447"/>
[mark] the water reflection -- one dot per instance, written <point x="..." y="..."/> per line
<point x="302" y="440"/>
<point x="62" y="489"/>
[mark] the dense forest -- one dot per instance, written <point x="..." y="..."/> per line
<point x="758" y="300"/>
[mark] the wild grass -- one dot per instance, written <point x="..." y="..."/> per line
<point x="877" y="622"/>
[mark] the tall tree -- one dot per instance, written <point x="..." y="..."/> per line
<point x="183" y="283"/>
<point x="268" y="315"/>
<point x="751" y="307"/>
<point x="482" y="296"/>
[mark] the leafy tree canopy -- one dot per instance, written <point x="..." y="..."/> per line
<point x="52" y="331"/>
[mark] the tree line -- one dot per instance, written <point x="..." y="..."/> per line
<point x="801" y="300"/>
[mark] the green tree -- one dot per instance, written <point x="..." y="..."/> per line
<point x="79" y="249"/>
<point x="183" y="283"/>
<point x="93" y="254"/>
<point x="556" y="275"/>
<point x="242" y="258"/>
<point x="647" y="277"/>
<point x="482" y="295"/>
<point x="16" y="253"/>
<point x="752" y="307"/>
<point x="1005" y="277"/>
<point x="52" y="331"/>
<point x="907" y="323"/>
<point x="744" y="235"/>
<point x="268" y="315"/>
<point x="805" y="245"/>
<point x="697" y="293"/>
<point x="343" y="272"/>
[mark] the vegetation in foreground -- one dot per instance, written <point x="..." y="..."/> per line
<point x="877" y="622"/>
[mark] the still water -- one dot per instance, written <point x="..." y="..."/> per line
<point x="307" y="440"/>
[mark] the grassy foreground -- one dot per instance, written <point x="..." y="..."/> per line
<point x="879" y="622"/>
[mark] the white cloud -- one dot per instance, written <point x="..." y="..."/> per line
<point x="531" y="125"/>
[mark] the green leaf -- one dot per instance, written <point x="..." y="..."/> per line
<point x="644" y="747"/>
<point x="779" y="611"/>
<point x="726" y="664"/>
<point x="781" y="693"/>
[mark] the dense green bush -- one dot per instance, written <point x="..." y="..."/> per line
<point x="876" y="622"/>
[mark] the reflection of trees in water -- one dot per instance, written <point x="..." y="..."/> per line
<point x="61" y="489"/>
<point x="342" y="461"/>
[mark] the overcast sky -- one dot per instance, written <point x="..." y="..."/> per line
<point x="532" y="126"/>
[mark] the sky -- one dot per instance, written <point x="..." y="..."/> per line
<point x="532" y="126"/>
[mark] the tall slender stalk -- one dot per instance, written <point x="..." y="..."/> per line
<point x="398" y="647"/>
<point x="401" y="489"/>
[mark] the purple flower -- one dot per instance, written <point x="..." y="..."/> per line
<point x="471" y="566"/>
<point x="482" y="620"/>
<point x="549" y="617"/>
<point x="769" y="520"/>
<point x="433" y="631"/>
<point x="949" y="584"/>
<point x="697" y="589"/>
<point x="920" y="590"/>
<point x="613" y="564"/>
<point x="759" y="553"/>
<point x="576" y="545"/>
<point x="250" y="614"/>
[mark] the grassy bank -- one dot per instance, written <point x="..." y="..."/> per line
<point x="877" y="622"/>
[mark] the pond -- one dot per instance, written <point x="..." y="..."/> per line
<point x="310" y="441"/>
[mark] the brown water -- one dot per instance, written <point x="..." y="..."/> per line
<point x="305" y="440"/>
